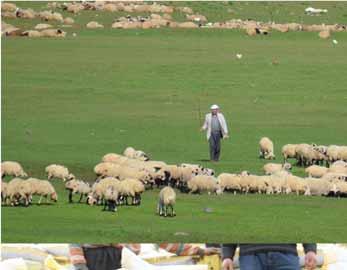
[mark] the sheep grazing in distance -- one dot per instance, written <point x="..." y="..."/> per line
<point x="58" y="171"/>
<point x="77" y="187"/>
<point x="12" y="168"/>
<point x="203" y="183"/>
<point x="94" y="25"/>
<point x="99" y="188"/>
<point x="111" y="157"/>
<point x="266" y="148"/>
<point x="229" y="182"/>
<point x="53" y="33"/>
<point x="167" y="199"/>
<point x="271" y="168"/>
<point x="31" y="34"/>
<point x="69" y="21"/>
<point x="13" y="191"/>
<point x="130" y="152"/>
<point x="316" y="171"/>
<point x="8" y="7"/>
<point x="42" y="26"/>
<point x="319" y="187"/>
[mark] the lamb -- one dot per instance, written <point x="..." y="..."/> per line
<point x="80" y="187"/>
<point x="186" y="174"/>
<point x="203" y="183"/>
<point x="131" y="188"/>
<point x="289" y="151"/>
<point x="266" y="148"/>
<point x="271" y="168"/>
<point x="58" y="171"/>
<point x="167" y="199"/>
<point x="94" y="25"/>
<point x="316" y="171"/>
<point x="12" y="168"/>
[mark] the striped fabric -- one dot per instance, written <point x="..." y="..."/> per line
<point x="77" y="256"/>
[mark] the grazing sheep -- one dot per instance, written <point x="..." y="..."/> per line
<point x="53" y="33"/>
<point x="271" y="168"/>
<point x="13" y="191"/>
<point x="8" y="15"/>
<point x="342" y="154"/>
<point x="78" y="187"/>
<point x="42" y="26"/>
<point x="3" y="192"/>
<point x="50" y="16"/>
<point x="196" y="18"/>
<point x="337" y="168"/>
<point x="27" y="188"/>
<point x="289" y="151"/>
<point x="332" y="176"/>
<point x="58" y="171"/>
<point x="131" y="188"/>
<point x="316" y="171"/>
<point x="69" y="21"/>
<point x="332" y="153"/>
<point x="25" y="13"/>
<point x="104" y="168"/>
<point x="94" y="25"/>
<point x="31" y="34"/>
<point x="130" y="152"/>
<point x="294" y="184"/>
<point x="203" y="183"/>
<point x="319" y="187"/>
<point x="110" y="199"/>
<point x="266" y="148"/>
<point x="111" y="157"/>
<point x="12" y="168"/>
<point x="74" y="8"/>
<point x="167" y="199"/>
<point x="229" y="182"/>
<point x="8" y="7"/>
<point x="187" y="25"/>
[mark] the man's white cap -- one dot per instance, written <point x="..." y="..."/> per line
<point x="214" y="107"/>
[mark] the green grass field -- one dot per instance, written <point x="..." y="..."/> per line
<point x="70" y="101"/>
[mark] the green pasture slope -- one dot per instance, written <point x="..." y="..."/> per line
<point x="72" y="100"/>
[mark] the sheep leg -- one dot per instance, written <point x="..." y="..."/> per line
<point x="81" y="198"/>
<point x="40" y="200"/>
<point x="165" y="211"/>
<point x="70" y="196"/>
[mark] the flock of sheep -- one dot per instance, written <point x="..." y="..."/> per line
<point x="127" y="176"/>
<point x="154" y="20"/>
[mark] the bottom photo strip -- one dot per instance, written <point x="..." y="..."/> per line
<point x="176" y="256"/>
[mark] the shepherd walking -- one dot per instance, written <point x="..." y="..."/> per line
<point x="216" y="128"/>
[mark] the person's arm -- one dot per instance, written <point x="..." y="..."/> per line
<point x="204" y="126"/>
<point x="224" y="125"/>
<point x="77" y="257"/>
<point x="228" y="252"/>
<point x="136" y="248"/>
<point x="182" y="249"/>
<point x="310" y="257"/>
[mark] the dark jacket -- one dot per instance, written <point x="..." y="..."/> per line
<point x="228" y="250"/>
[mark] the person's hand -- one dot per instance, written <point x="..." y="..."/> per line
<point x="227" y="264"/>
<point x="310" y="260"/>
<point x="226" y="136"/>
<point x="80" y="267"/>
<point x="201" y="129"/>
<point x="212" y="251"/>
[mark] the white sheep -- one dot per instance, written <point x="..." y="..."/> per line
<point x="111" y="198"/>
<point x="332" y="153"/>
<point x="99" y="189"/>
<point x="130" y="152"/>
<point x="111" y="157"/>
<point x="27" y="188"/>
<point x="316" y="171"/>
<point x="319" y="187"/>
<point x="203" y="183"/>
<point x="266" y="148"/>
<point x="271" y="168"/>
<point x="77" y="187"/>
<point x="58" y="171"/>
<point x="342" y="154"/>
<point x="12" y="168"/>
<point x="53" y="33"/>
<point x="167" y="199"/>
<point x="104" y="168"/>
<point x="229" y="182"/>
<point x="94" y="25"/>
<point x="289" y="151"/>
<point x="3" y="192"/>
<point x="131" y="188"/>
<point x="13" y="191"/>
